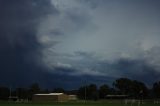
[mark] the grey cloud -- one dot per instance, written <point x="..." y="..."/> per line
<point x="138" y="68"/>
<point x="20" y="55"/>
<point x="116" y="29"/>
<point x="97" y="38"/>
<point x="104" y="38"/>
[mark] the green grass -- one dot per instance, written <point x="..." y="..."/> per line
<point x="78" y="103"/>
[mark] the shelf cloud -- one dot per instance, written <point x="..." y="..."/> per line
<point x="77" y="38"/>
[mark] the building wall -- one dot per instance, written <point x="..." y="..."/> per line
<point x="40" y="98"/>
<point x="56" y="98"/>
<point x="72" y="97"/>
<point x="63" y="98"/>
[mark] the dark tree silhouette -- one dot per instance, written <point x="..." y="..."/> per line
<point x="34" y="89"/>
<point x="139" y="89"/>
<point x="123" y="85"/>
<point x="103" y="91"/>
<point x="88" y="92"/>
<point x="59" y="90"/>
<point x="22" y="93"/>
<point x="4" y="93"/>
<point x="133" y="88"/>
<point x="156" y="89"/>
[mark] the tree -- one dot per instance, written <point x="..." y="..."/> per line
<point x="123" y="85"/>
<point x="103" y="91"/>
<point x="156" y="89"/>
<point x="88" y="92"/>
<point x="34" y="88"/>
<point x="82" y="92"/>
<point x="139" y="89"/>
<point x="22" y="93"/>
<point x="45" y="91"/>
<point x="131" y="88"/>
<point x="59" y="90"/>
<point x="93" y="92"/>
<point x="4" y="93"/>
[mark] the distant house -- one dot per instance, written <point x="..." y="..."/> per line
<point x="56" y="97"/>
<point x="116" y="96"/>
<point x="72" y="97"/>
<point x="13" y="98"/>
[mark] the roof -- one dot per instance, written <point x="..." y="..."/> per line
<point x="50" y="94"/>
<point x="13" y="97"/>
<point x="72" y="95"/>
<point x="116" y="95"/>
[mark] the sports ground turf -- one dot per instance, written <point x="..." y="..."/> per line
<point x="98" y="103"/>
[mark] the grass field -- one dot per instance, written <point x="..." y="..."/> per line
<point x="79" y="103"/>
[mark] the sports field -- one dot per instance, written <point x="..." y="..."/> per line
<point x="79" y="103"/>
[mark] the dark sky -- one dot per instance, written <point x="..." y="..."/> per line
<point x="62" y="43"/>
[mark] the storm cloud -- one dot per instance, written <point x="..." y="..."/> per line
<point x="48" y="40"/>
<point x="19" y="48"/>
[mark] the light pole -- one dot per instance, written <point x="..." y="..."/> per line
<point x="10" y="92"/>
<point x="85" y="91"/>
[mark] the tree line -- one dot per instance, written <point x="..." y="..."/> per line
<point x="122" y="86"/>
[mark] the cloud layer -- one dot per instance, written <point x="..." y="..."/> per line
<point x="20" y="50"/>
<point x="90" y="32"/>
<point x="103" y="39"/>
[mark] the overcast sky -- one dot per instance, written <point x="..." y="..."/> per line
<point x="103" y="39"/>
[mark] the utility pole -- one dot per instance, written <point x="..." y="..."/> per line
<point x="85" y="89"/>
<point x="85" y="93"/>
<point x="10" y="92"/>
